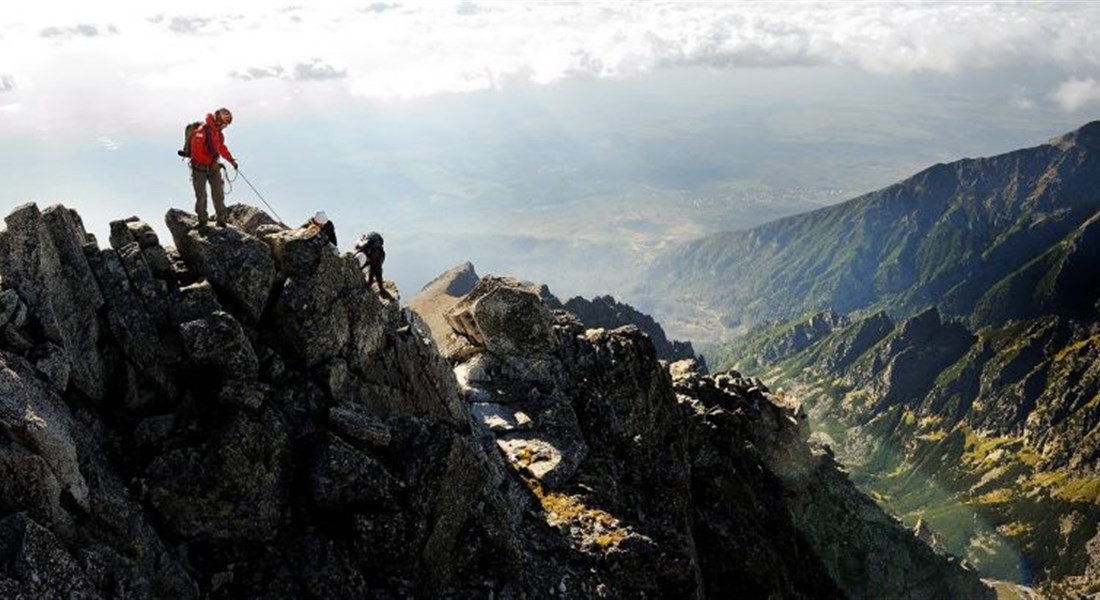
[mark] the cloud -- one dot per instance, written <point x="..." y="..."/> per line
<point x="314" y="70"/>
<point x="1075" y="94"/>
<point x="317" y="70"/>
<point x="392" y="49"/>
<point x="467" y="8"/>
<point x="7" y="83"/>
<point x="188" y="24"/>
<point x="380" y="7"/>
<point x="82" y="30"/>
<point x="550" y="42"/>
<point x="253" y="73"/>
<point x="894" y="38"/>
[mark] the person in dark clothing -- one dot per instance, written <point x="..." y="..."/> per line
<point x="207" y="146"/>
<point x="370" y="253"/>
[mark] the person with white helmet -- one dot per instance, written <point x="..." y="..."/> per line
<point x="207" y="147"/>
<point x="320" y="222"/>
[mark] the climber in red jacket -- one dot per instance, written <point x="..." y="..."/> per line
<point x="207" y="146"/>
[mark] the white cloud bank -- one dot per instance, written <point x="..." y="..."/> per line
<point x="157" y="53"/>
<point x="1075" y="94"/>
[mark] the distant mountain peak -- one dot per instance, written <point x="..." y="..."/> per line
<point x="1087" y="136"/>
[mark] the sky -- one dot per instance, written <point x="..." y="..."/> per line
<point x="564" y="142"/>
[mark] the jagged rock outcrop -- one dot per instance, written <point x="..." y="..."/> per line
<point x="853" y="342"/>
<point x="267" y="426"/>
<point x="799" y="335"/>
<point x="41" y="258"/>
<point x="607" y="313"/>
<point x="904" y="365"/>
<point x="438" y="297"/>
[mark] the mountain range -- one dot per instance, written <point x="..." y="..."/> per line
<point x="988" y="240"/>
<point x="944" y="333"/>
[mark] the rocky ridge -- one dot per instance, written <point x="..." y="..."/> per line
<point x="239" y="416"/>
<point x="607" y="313"/>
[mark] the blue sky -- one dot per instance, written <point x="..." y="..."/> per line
<point x="562" y="142"/>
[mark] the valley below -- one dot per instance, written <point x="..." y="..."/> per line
<point x="943" y="335"/>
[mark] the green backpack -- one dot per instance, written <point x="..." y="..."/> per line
<point x="188" y="132"/>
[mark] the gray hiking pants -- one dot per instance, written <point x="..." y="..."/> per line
<point x="200" y="176"/>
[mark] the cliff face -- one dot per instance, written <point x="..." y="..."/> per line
<point x="239" y="416"/>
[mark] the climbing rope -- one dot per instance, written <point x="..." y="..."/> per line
<point x="269" y="207"/>
<point x="229" y="190"/>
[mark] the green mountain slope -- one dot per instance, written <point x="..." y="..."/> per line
<point x="991" y="437"/>
<point x="947" y="236"/>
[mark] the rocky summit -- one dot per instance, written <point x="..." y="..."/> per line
<point x="240" y="416"/>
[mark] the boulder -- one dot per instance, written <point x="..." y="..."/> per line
<point x="250" y="219"/>
<point x="408" y="376"/>
<point x="504" y="316"/>
<point x="195" y="301"/>
<point x="239" y="266"/>
<point x="132" y="230"/>
<point x="218" y="343"/>
<point x="12" y="308"/>
<point x="121" y="235"/>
